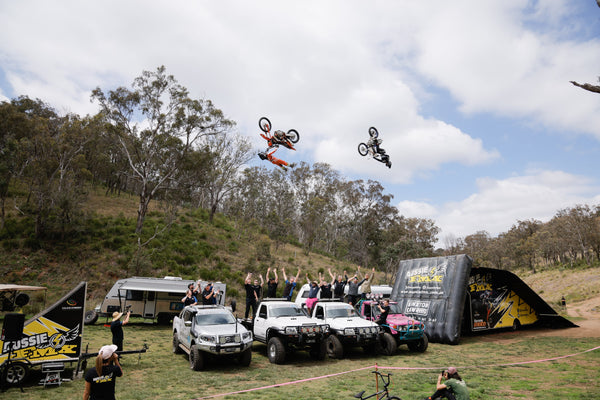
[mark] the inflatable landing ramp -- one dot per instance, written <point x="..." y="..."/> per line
<point x="451" y="297"/>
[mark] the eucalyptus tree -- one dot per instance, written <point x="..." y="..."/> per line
<point x="157" y="124"/>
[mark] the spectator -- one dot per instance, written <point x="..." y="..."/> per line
<point x="116" y="327"/>
<point x="353" y="285"/>
<point x="385" y="310"/>
<point x="325" y="287"/>
<point x="208" y="295"/>
<point x="253" y="294"/>
<point x="366" y="286"/>
<point x="189" y="299"/>
<point x="338" y="284"/>
<point x="100" y="381"/>
<point x="454" y="388"/>
<point x="272" y="283"/>
<point x="313" y="293"/>
<point x="290" y="284"/>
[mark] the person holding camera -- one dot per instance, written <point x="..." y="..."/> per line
<point x="116" y="327"/>
<point x="100" y="380"/>
<point x="453" y="388"/>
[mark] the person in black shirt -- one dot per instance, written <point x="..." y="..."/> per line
<point x="325" y="287"/>
<point x="253" y="294"/>
<point x="272" y="283"/>
<point x="189" y="299"/>
<point x="338" y="284"/>
<point x="290" y="284"/>
<point x="100" y="380"/>
<point x="208" y="295"/>
<point x="116" y="327"/>
<point x="385" y="310"/>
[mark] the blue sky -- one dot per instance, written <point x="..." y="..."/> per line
<point x="471" y="98"/>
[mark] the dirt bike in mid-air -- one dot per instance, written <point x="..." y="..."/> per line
<point x="372" y="148"/>
<point x="276" y="139"/>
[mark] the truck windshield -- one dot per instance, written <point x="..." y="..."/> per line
<point x="394" y="309"/>
<point x="340" y="312"/>
<point x="287" y="311"/>
<point x="214" y="319"/>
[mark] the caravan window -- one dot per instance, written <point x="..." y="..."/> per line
<point x="134" y="295"/>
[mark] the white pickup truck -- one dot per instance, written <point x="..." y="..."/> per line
<point x="347" y="329"/>
<point x="210" y="331"/>
<point x="283" y="326"/>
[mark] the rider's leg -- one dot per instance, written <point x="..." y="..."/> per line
<point x="277" y="161"/>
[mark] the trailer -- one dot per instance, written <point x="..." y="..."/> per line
<point x="53" y="336"/>
<point x="148" y="298"/>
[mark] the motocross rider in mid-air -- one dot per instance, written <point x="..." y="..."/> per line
<point x="373" y="145"/>
<point x="273" y="142"/>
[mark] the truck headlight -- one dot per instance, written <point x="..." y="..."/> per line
<point x="349" y="331"/>
<point x="247" y="336"/>
<point x="291" y="330"/>
<point x="208" y="338"/>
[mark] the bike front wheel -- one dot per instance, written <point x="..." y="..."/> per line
<point x="264" y="124"/>
<point x="363" y="149"/>
<point x="394" y="398"/>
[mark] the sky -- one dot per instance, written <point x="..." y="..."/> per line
<point x="471" y="98"/>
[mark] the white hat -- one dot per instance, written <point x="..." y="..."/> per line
<point x="117" y="315"/>
<point x="107" y="351"/>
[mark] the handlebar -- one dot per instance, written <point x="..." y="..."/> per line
<point x="385" y="382"/>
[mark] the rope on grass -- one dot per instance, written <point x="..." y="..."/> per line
<point x="396" y="368"/>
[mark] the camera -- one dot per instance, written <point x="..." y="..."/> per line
<point x="127" y="307"/>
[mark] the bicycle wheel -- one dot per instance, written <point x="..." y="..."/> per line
<point x="373" y="132"/>
<point x="363" y="149"/>
<point x="264" y="124"/>
<point x="394" y="398"/>
<point x="293" y="135"/>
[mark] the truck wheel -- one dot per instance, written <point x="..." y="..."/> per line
<point x="176" y="348"/>
<point x="246" y="357"/>
<point x="90" y="317"/>
<point x="418" y="345"/>
<point x="17" y="373"/>
<point x="516" y="325"/>
<point x="276" y="350"/>
<point x="335" y="349"/>
<point x="318" y="351"/>
<point x="196" y="359"/>
<point x="387" y="345"/>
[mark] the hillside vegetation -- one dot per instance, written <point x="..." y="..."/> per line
<point x="105" y="249"/>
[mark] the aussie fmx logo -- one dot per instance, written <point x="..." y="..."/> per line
<point x="44" y="339"/>
<point x="427" y="274"/>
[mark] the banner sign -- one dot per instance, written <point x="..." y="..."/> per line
<point x="54" y="334"/>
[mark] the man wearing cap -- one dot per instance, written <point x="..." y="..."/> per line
<point x="116" y="327"/>
<point x="100" y="381"/>
<point x="453" y="388"/>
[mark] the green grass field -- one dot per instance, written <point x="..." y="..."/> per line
<point x="160" y="374"/>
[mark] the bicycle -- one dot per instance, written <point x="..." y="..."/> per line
<point x="384" y="392"/>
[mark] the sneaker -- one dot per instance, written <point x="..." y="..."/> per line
<point x="283" y="167"/>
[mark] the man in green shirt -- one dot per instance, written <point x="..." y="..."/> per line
<point x="453" y="388"/>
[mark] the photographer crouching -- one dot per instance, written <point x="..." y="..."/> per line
<point x="453" y="388"/>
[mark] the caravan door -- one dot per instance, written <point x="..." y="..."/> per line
<point x="150" y="305"/>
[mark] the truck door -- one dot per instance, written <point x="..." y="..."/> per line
<point x="260" y="323"/>
<point x="150" y="304"/>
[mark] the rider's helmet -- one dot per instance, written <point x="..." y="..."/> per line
<point x="279" y="135"/>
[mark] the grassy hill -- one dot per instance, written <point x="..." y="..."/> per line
<point x="103" y="248"/>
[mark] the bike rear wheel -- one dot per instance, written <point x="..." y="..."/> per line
<point x="293" y="135"/>
<point x="264" y="124"/>
<point x="363" y="149"/>
<point x="373" y="132"/>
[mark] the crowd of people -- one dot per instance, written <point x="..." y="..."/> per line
<point x="197" y="295"/>
<point x="318" y="288"/>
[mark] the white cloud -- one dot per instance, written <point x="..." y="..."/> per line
<point x="499" y="204"/>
